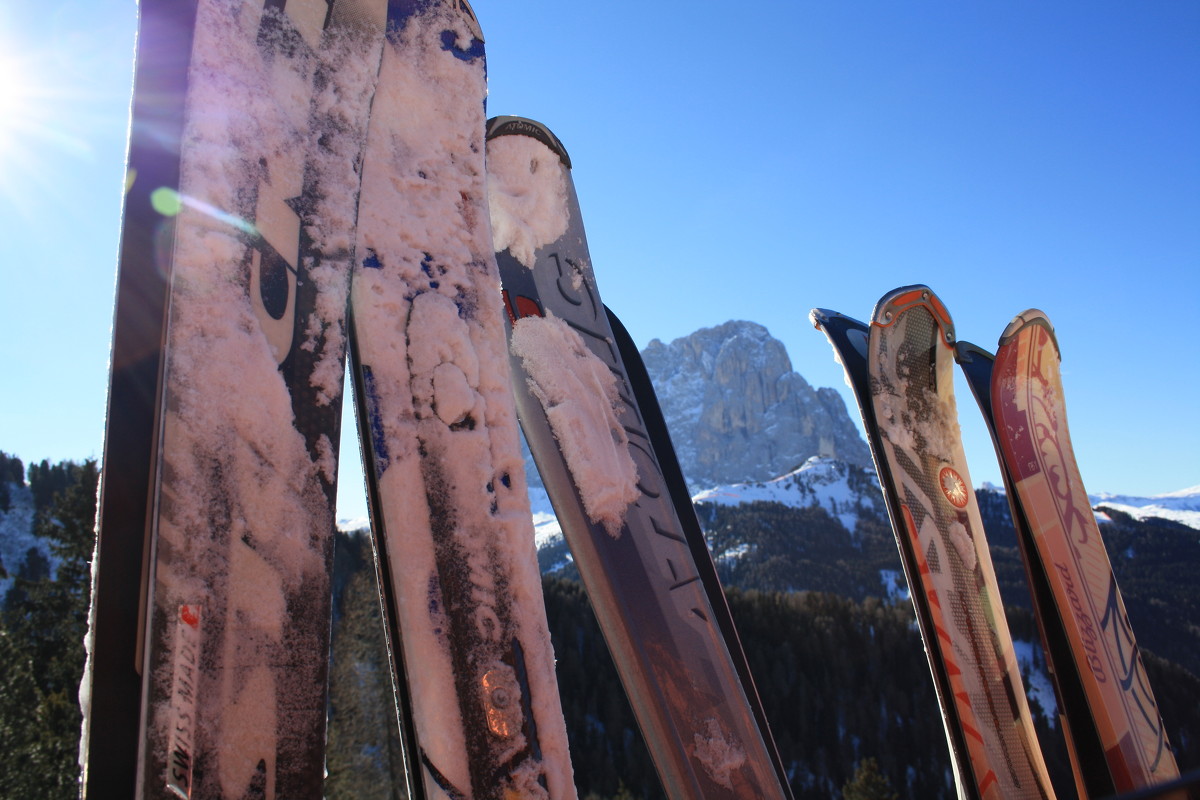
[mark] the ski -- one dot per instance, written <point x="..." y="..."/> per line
<point x="1110" y="715"/>
<point x="244" y="184"/>
<point x="901" y="370"/>
<point x="438" y="429"/>
<point x="599" y="442"/>
<point x="110" y="692"/>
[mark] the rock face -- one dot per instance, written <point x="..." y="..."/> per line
<point x="737" y="412"/>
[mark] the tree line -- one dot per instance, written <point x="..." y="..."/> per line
<point x="844" y="678"/>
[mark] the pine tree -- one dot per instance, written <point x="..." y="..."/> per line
<point x="41" y="645"/>
<point x="868" y="783"/>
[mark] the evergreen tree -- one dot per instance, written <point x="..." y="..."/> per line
<point x="11" y="471"/>
<point x="41" y="646"/>
<point x="868" y="783"/>
<point x="364" y="755"/>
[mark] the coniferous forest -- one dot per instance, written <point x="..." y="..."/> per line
<point x="844" y="678"/>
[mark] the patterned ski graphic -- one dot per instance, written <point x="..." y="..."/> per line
<point x="450" y="509"/>
<point x="257" y="246"/>
<point x="588" y="429"/>
<point x="1033" y="440"/>
<point x="910" y="362"/>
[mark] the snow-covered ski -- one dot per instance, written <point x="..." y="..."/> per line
<point x="901" y="370"/>
<point x="249" y="139"/>
<point x="450" y="510"/>
<point x="1112" y="720"/>
<point x="588" y="421"/>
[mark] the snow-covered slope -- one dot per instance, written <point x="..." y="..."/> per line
<point x="1182" y="506"/>
<point x="839" y="488"/>
<point x="16" y="536"/>
<point x="545" y="525"/>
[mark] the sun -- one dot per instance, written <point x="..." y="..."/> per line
<point x="40" y="119"/>
<point x="21" y="122"/>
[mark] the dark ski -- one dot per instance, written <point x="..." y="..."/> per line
<point x="600" y="444"/>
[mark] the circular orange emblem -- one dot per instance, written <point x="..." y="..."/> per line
<point x="954" y="487"/>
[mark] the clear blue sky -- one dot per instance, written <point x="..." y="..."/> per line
<point x="738" y="162"/>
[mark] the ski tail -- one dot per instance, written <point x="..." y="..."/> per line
<point x="1115" y="728"/>
<point x="597" y="438"/>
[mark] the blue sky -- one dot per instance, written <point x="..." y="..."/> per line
<point x="738" y="163"/>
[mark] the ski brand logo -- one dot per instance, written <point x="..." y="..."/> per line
<point x="953" y="487"/>
<point x="182" y="720"/>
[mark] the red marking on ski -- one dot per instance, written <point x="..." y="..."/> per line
<point x="974" y="734"/>
<point x="987" y="781"/>
<point x="190" y="615"/>
<point x="520" y="307"/>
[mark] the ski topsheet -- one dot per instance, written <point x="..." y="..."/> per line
<point x="450" y="509"/>
<point x="672" y="641"/>
<point x="1091" y="644"/>
<point x="254" y="235"/>
<point x="109" y="761"/>
<point x="909" y="412"/>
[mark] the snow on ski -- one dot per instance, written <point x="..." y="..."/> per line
<point x="1113" y="718"/>
<point x="450" y="509"/>
<point x="253" y="234"/>
<point x="901" y="369"/>
<point x="589" y="427"/>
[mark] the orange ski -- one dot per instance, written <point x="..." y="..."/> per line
<point x="1046" y="489"/>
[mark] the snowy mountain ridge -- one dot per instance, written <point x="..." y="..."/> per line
<point x="819" y="482"/>
<point x="1182" y="506"/>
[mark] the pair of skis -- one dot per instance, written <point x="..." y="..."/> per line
<point x="289" y="159"/>
<point x="307" y="179"/>
<point x="900" y="367"/>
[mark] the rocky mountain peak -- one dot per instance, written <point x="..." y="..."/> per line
<point x="737" y="411"/>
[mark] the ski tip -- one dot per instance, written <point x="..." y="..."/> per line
<point x="468" y="14"/>
<point x="1024" y="320"/>
<point x="521" y="126"/>
<point x="846" y="334"/>
<point x="897" y="301"/>
<point x="822" y="319"/>
<point x="819" y="317"/>
<point x="967" y="353"/>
